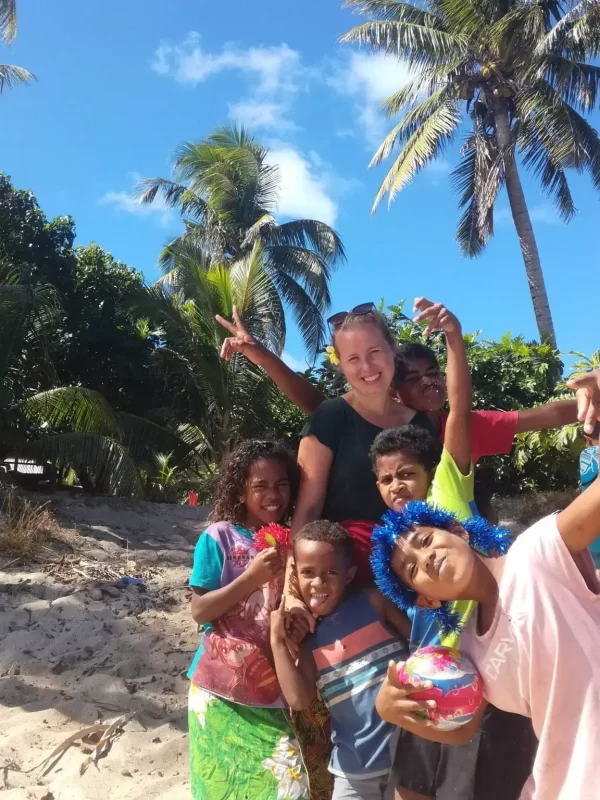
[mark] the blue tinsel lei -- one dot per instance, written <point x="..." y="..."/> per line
<point x="489" y="540"/>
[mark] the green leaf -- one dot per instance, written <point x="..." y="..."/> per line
<point x="80" y="410"/>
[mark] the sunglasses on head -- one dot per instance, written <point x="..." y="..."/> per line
<point x="359" y="310"/>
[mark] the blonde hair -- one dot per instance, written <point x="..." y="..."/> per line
<point x="373" y="318"/>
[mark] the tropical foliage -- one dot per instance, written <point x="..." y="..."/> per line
<point x="121" y="384"/>
<point x="227" y="190"/>
<point x="518" y="79"/>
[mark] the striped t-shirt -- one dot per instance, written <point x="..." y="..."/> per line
<point x="351" y="649"/>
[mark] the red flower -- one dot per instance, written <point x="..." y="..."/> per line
<point x="273" y="535"/>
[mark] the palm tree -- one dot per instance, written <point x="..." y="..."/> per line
<point x="519" y="69"/>
<point x="10" y="75"/>
<point x="69" y="426"/>
<point x="227" y="194"/>
<point x="221" y="401"/>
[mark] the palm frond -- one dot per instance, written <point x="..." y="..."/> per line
<point x="174" y="195"/>
<point x="391" y="11"/>
<point x="412" y="122"/>
<point x="419" y="45"/>
<point x="423" y="146"/>
<point x="578" y="83"/>
<point x="412" y="91"/>
<point x="471" y="17"/>
<point x="27" y="315"/>
<point x="306" y="268"/>
<point x="549" y="172"/>
<point x="568" y="138"/>
<point x="259" y="231"/>
<point x="11" y="76"/>
<point x="307" y="314"/>
<point x="576" y="33"/>
<point x="143" y="438"/>
<point x="105" y="460"/>
<point x="478" y="179"/>
<point x="309" y="234"/>
<point x="255" y="294"/>
<point x="8" y="20"/>
<point x="74" y="408"/>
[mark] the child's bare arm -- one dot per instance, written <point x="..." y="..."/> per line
<point x="297" y="680"/>
<point x="579" y="523"/>
<point x="388" y="612"/>
<point x="209" y="605"/>
<point x="457" y="438"/>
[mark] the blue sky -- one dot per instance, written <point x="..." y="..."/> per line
<point x="121" y="84"/>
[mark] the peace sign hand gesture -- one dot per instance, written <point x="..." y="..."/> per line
<point x="240" y="341"/>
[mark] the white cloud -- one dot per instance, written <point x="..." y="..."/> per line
<point x="274" y="75"/>
<point x="304" y="187"/>
<point x="255" y="114"/>
<point x="370" y="79"/>
<point x="129" y="204"/>
<point x="293" y="362"/>
<point x="272" y="68"/>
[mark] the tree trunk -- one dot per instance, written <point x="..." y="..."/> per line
<point x="522" y="220"/>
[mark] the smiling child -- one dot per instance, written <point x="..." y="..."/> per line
<point x="345" y="659"/>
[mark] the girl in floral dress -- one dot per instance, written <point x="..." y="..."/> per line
<point x="242" y="745"/>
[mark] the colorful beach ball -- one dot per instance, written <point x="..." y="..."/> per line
<point x="457" y="687"/>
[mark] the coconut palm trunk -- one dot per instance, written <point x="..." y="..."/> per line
<point x="522" y="220"/>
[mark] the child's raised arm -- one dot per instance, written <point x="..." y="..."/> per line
<point x="457" y="438"/>
<point x="296" y="388"/>
<point x="297" y="681"/>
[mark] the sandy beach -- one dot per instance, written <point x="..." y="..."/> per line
<point x="79" y="648"/>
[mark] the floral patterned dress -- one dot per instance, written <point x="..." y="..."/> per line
<point x="242" y="743"/>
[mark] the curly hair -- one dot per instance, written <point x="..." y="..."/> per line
<point x="324" y="531"/>
<point x="234" y="471"/>
<point x="421" y="444"/>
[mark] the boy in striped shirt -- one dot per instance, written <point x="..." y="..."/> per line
<point x="345" y="659"/>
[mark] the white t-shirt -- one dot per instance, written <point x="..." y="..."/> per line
<point x="541" y="658"/>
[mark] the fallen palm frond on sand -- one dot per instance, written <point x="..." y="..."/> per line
<point x="99" y="736"/>
<point x="73" y="566"/>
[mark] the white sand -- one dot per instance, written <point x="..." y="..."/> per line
<point x="69" y="659"/>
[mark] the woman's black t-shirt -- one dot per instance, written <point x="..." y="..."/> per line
<point x="351" y="490"/>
